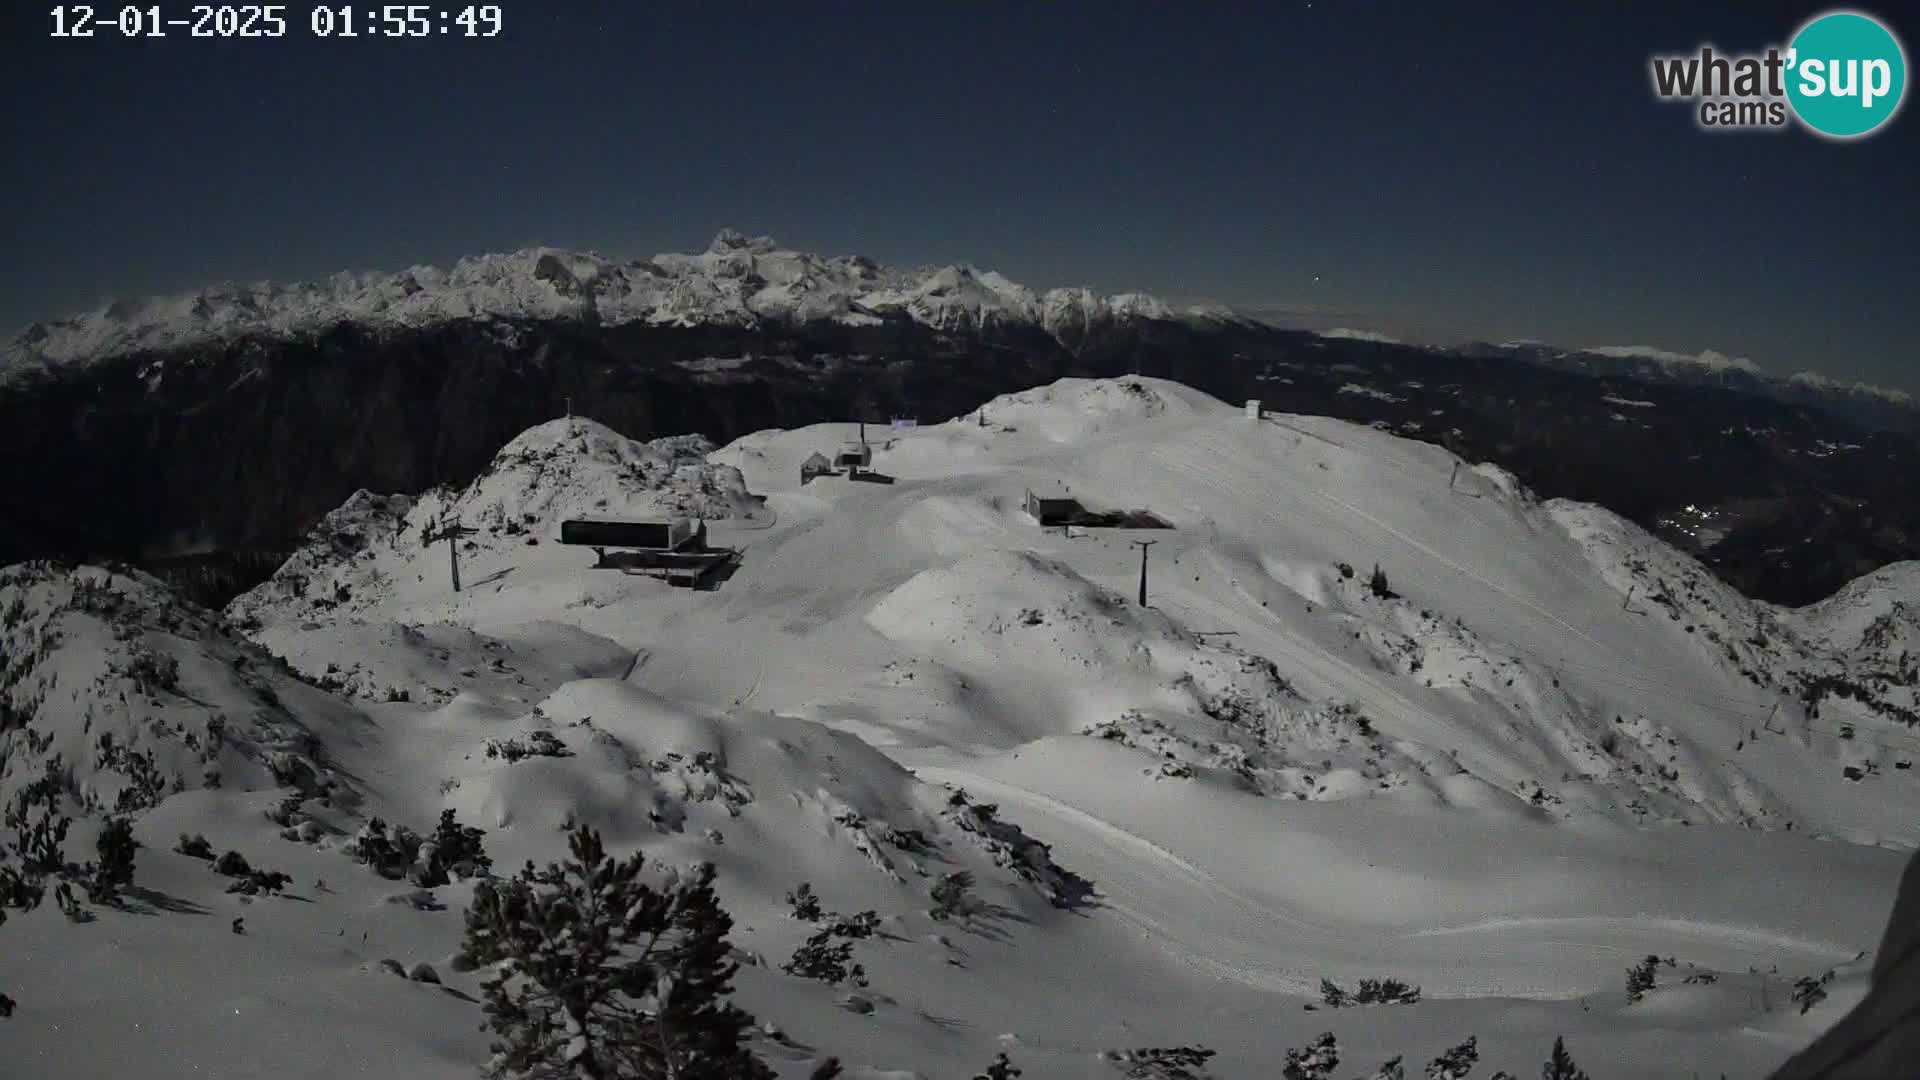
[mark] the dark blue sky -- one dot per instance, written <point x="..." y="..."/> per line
<point x="1438" y="171"/>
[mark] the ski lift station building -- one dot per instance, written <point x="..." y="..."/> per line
<point x="855" y="453"/>
<point x="675" y="534"/>
<point x="1053" y="510"/>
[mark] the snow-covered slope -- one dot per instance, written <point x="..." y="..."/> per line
<point x="738" y="280"/>
<point x="131" y="697"/>
<point x="1546" y="747"/>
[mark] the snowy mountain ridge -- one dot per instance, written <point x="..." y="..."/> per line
<point x="1539" y="744"/>
<point x="1201" y="703"/>
<point x="1653" y="363"/>
<point x="738" y="280"/>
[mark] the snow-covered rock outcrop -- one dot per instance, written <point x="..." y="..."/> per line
<point x="573" y="467"/>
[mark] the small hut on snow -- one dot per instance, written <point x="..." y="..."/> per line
<point x="816" y="465"/>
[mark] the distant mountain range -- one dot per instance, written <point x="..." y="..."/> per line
<point x="1863" y="403"/>
<point x="738" y="281"/>
<point x="745" y="281"/>
<point x="204" y="433"/>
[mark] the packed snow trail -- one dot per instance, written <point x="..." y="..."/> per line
<point x="1211" y="926"/>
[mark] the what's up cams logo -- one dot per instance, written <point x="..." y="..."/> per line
<point x="1843" y="75"/>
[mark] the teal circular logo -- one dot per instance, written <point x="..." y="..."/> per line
<point x="1846" y="74"/>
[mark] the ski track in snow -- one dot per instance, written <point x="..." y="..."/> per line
<point x="1745" y="937"/>
<point x="1118" y="881"/>
<point x="1153" y="889"/>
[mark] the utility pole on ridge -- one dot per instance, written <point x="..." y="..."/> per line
<point x="1143" y="545"/>
<point x="451" y="532"/>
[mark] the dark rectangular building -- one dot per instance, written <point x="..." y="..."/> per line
<point x="642" y="535"/>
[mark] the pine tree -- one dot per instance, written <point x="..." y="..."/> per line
<point x="1809" y="991"/>
<point x="454" y="848"/>
<point x="601" y="977"/>
<point x="1315" y="1061"/>
<point x="952" y="895"/>
<point x="1332" y="994"/>
<point x="1377" y="584"/>
<point x="39" y="835"/>
<point x="805" y="905"/>
<point x="1383" y="992"/>
<point x="372" y="846"/>
<point x="1560" y="1066"/>
<point x="702" y="1035"/>
<point x="70" y="907"/>
<point x="1456" y="1063"/>
<point x="820" y="957"/>
<point x="18" y="890"/>
<point x="860" y="925"/>
<point x="1001" y="1069"/>
<point x="114" y="869"/>
<point x="1167" y="1062"/>
<point x="1391" y="1070"/>
<point x="1640" y="978"/>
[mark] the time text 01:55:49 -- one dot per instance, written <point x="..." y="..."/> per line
<point x="272" y="21"/>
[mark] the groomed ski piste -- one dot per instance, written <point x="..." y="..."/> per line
<point x="1550" y="747"/>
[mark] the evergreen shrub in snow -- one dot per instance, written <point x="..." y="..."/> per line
<point x="1164" y="1062"/>
<point x="1001" y="1069"/>
<point x="1560" y="1066"/>
<point x="1640" y="978"/>
<point x="953" y="895"/>
<point x="598" y="975"/>
<point x="113" y="870"/>
<point x="805" y="904"/>
<point x="1457" y="1063"/>
<point x="1315" y="1061"/>
<point x="821" y="957"/>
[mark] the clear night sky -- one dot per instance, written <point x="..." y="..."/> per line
<point x="1437" y="171"/>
